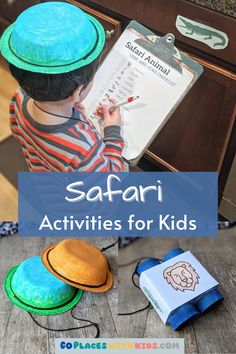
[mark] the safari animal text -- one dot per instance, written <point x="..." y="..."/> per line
<point x="147" y="58"/>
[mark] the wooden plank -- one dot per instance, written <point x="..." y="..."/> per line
<point x="112" y="296"/>
<point x="156" y="329"/>
<point x="130" y="299"/>
<point x="224" y="243"/>
<point x="8" y="200"/>
<point x="215" y="331"/>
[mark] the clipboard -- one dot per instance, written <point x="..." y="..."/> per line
<point x="142" y="64"/>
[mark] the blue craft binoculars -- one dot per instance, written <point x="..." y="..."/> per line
<point x="187" y="312"/>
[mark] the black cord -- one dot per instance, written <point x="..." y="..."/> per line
<point x="71" y="328"/>
<point x="91" y="324"/>
<point x="110" y="246"/>
<point x="142" y="308"/>
<point x="58" y="115"/>
<point x="137" y="260"/>
<point x="136" y="311"/>
<point x="133" y="281"/>
<point x="132" y="262"/>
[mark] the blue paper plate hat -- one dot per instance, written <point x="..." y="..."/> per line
<point x="53" y="37"/>
<point x="33" y="288"/>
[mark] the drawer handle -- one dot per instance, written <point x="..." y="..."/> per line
<point x="110" y="33"/>
<point x="10" y="2"/>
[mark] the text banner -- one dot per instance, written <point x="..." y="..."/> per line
<point x="118" y="204"/>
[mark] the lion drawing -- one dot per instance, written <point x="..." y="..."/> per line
<point x="181" y="276"/>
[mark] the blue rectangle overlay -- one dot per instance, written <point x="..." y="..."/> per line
<point x="118" y="204"/>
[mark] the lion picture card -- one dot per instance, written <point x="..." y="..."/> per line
<point x="176" y="282"/>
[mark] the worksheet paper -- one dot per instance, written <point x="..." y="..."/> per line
<point x="131" y="70"/>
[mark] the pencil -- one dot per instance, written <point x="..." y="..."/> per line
<point x="128" y="100"/>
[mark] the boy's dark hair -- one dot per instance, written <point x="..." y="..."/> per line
<point x="54" y="87"/>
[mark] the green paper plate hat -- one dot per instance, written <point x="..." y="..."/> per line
<point x="52" y="38"/>
<point x="33" y="288"/>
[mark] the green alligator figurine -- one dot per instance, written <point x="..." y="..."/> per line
<point x="201" y="31"/>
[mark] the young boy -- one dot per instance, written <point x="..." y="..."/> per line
<point x="53" y="50"/>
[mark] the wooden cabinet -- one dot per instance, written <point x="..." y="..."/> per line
<point x="10" y="9"/>
<point x="3" y="25"/>
<point x="198" y="133"/>
<point x="161" y="17"/>
<point x="228" y="202"/>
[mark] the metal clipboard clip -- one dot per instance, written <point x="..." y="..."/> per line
<point x="162" y="48"/>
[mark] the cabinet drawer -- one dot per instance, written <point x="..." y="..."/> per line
<point x="3" y="25"/>
<point x="198" y="134"/>
<point x="228" y="203"/>
<point x="10" y="9"/>
<point x="161" y="17"/>
<point x="111" y="25"/>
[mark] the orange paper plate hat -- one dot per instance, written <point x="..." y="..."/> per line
<point x="79" y="264"/>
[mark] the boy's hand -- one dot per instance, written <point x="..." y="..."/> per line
<point x="108" y="116"/>
<point x="80" y="106"/>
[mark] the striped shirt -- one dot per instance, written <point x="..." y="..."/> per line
<point x="67" y="147"/>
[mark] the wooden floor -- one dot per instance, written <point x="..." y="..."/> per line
<point x="18" y="333"/>
<point x="213" y="332"/>
<point x="7" y="87"/>
<point x="10" y="159"/>
<point x="8" y="200"/>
